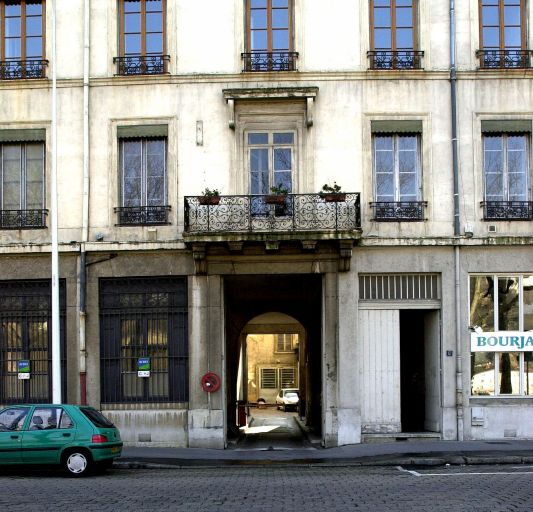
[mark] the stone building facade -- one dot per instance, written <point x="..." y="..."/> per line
<point x="158" y="100"/>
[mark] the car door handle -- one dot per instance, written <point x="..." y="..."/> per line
<point x="65" y="434"/>
<point x="14" y="437"/>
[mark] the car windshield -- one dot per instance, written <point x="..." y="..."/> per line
<point x="291" y="394"/>
<point x="97" y="418"/>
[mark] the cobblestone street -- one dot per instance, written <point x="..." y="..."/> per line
<point x="306" y="488"/>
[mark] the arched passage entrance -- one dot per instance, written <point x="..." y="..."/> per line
<point x="274" y="306"/>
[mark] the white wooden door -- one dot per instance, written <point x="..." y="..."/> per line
<point x="379" y="374"/>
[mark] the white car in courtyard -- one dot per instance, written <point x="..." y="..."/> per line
<point x="288" y="398"/>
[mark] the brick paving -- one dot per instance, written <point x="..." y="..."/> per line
<point x="292" y="488"/>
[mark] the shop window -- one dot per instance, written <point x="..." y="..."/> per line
<point x="144" y="319"/>
<point x="142" y="38"/>
<point x="499" y="304"/>
<point x="25" y="335"/>
<point x="22" y="27"/>
<point x="502" y="34"/>
<point x="506" y="176"/>
<point x="393" y="35"/>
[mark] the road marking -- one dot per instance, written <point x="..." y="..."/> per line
<point x="417" y="474"/>
<point x="414" y="473"/>
<point x="473" y="473"/>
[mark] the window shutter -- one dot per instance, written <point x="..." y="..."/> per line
<point x="146" y="130"/>
<point x="24" y="135"/>
<point x="506" y="126"/>
<point x="397" y="126"/>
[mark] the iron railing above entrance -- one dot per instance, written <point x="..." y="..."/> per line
<point x="266" y="213"/>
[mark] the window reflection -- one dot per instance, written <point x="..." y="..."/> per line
<point x="482" y="372"/>
<point x="509" y="374"/>
<point x="508" y="304"/>
<point x="482" y="302"/>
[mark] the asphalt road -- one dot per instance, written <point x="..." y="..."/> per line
<point x="263" y="488"/>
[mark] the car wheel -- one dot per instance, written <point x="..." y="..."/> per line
<point x="77" y="463"/>
<point x="284" y="408"/>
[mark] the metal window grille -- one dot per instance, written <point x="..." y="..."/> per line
<point x="287" y="377"/>
<point x="269" y="378"/>
<point x="274" y="378"/>
<point x="144" y="318"/>
<point x="399" y="287"/>
<point x="26" y="334"/>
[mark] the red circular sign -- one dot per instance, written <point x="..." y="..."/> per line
<point x="210" y="382"/>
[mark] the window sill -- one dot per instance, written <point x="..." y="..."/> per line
<point x="499" y="400"/>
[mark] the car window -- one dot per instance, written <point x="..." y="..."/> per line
<point x="48" y="418"/>
<point x="96" y="418"/>
<point x="291" y="394"/>
<point x="13" y="419"/>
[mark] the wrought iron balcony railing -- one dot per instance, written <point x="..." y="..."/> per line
<point x="20" y="69"/>
<point x="507" y="210"/>
<point x="398" y="59"/>
<point x="142" y="65"/>
<point x="142" y="215"/>
<point x="398" y="211"/>
<point x="23" y="219"/>
<point x="269" y="61"/>
<point x="263" y="213"/>
<point x="504" y="59"/>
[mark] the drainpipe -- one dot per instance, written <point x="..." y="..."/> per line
<point x="56" y="339"/>
<point x="456" y="231"/>
<point x="85" y="206"/>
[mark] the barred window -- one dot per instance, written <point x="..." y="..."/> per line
<point x="275" y="378"/>
<point x="144" y="318"/>
<point x="26" y="335"/>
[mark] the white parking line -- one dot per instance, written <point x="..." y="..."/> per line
<point x="417" y="474"/>
<point x="414" y="473"/>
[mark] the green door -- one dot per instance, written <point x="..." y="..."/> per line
<point x="49" y="430"/>
<point x="11" y="423"/>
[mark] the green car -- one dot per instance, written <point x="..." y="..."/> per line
<point x="79" y="438"/>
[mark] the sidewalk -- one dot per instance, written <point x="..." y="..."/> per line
<point x="419" y="453"/>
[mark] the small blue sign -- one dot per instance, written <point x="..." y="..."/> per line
<point x="23" y="366"/>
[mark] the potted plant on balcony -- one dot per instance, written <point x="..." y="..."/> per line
<point x="332" y="193"/>
<point x="277" y="196"/>
<point x="209" y="197"/>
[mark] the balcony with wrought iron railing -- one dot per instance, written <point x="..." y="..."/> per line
<point x="22" y="69"/>
<point x="292" y="213"/>
<point x="141" y="65"/>
<point x="23" y="219"/>
<point x="507" y="210"/>
<point x="504" y="59"/>
<point x="395" y="60"/>
<point x="142" y="215"/>
<point x="269" y="61"/>
<point x="398" y="211"/>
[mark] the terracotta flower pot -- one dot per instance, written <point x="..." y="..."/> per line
<point x="208" y="200"/>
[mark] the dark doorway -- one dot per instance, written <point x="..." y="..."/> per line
<point x="298" y="296"/>
<point x="412" y="370"/>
